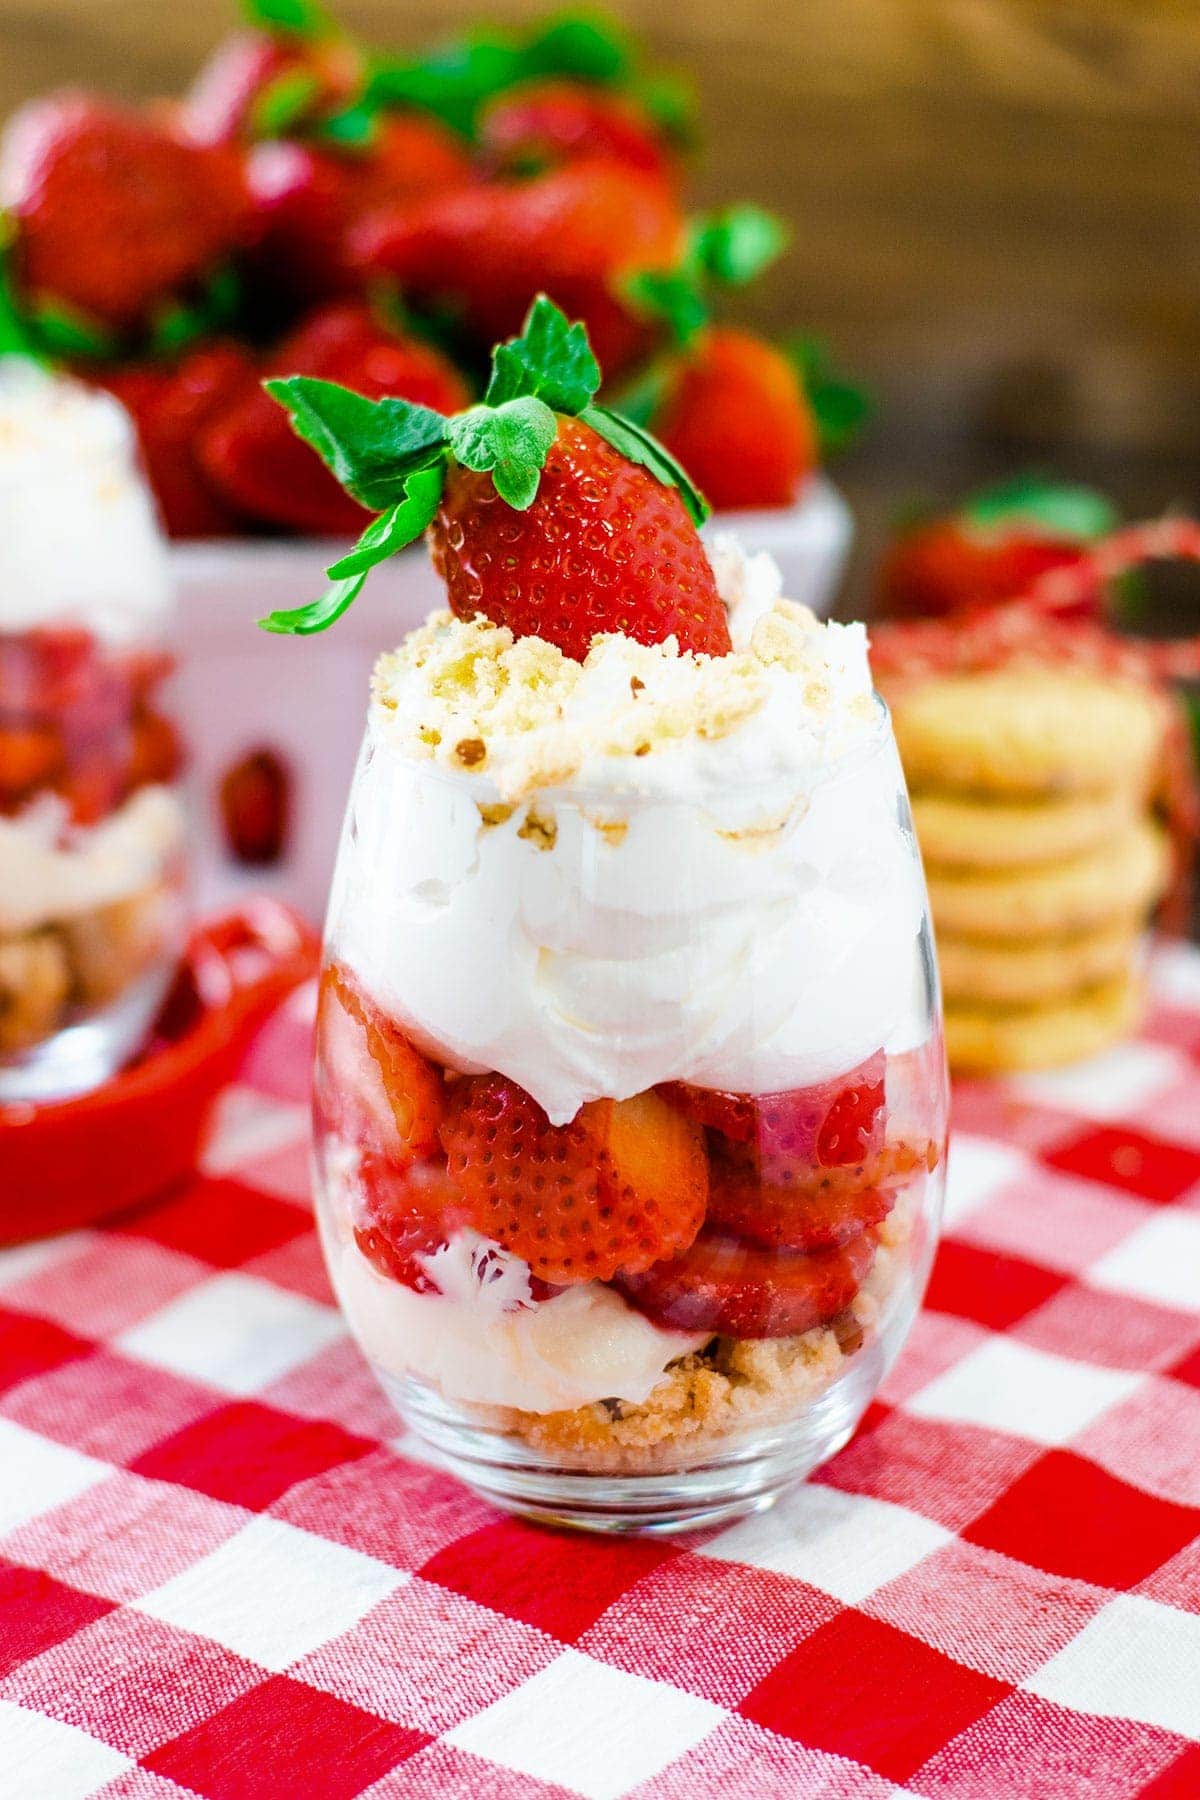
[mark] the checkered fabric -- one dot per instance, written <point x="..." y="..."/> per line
<point x="223" y="1574"/>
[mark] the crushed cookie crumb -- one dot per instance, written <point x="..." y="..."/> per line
<point x="613" y="831"/>
<point x="636" y="685"/>
<point x="498" y="814"/>
<point x="539" y="828"/>
<point x="470" y="752"/>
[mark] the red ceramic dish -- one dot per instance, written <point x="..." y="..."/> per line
<point x="68" y="1163"/>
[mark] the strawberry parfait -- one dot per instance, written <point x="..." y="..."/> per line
<point x="630" y="1094"/>
<point x="90" y="824"/>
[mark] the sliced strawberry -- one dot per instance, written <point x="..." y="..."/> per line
<point x="604" y="548"/>
<point x="736" y="1289"/>
<point x="31" y="756"/>
<point x="408" y="1213"/>
<point x="621" y="1186"/>
<point x="541" y="123"/>
<point x="170" y="404"/>
<point x="571" y="233"/>
<point x="372" y="1086"/>
<point x="736" y="416"/>
<point x="113" y="215"/>
<point x="156" y="754"/>
<point x="801" y="1130"/>
<point x="258" y="466"/>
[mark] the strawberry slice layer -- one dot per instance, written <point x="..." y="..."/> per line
<point x="794" y="1134"/>
<point x="735" y="1289"/>
<point x="372" y="1087"/>
<point x="623" y="1185"/>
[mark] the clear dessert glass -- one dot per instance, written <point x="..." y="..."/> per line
<point x="701" y="1015"/>
<point x="91" y="824"/>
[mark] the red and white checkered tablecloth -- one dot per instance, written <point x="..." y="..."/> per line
<point x="222" y="1575"/>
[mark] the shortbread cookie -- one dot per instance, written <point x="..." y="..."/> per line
<point x="1123" y="877"/>
<point x="1027" y="732"/>
<point x="1027" y="971"/>
<point x="983" y="1040"/>
<point x="970" y="832"/>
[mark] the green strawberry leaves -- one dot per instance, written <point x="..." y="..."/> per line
<point x="551" y="361"/>
<point x="1043" y="507"/>
<point x="372" y="446"/>
<point x="511" y="440"/>
<point x="732" y="247"/>
<point x="638" y="445"/>
<point x="839" y="409"/>
<point x="289" y="18"/>
<point x="393" y="455"/>
<point x="283" y="103"/>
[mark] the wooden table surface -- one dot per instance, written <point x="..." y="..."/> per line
<point x="995" y="204"/>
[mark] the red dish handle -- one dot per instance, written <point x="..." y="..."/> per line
<point x="70" y="1162"/>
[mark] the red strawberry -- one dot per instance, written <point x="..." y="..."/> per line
<point x="828" y="1207"/>
<point x="372" y="1086"/>
<point x="250" y="456"/>
<point x="992" y="550"/>
<point x="170" y="403"/>
<point x="30" y="758"/>
<point x="308" y="199"/>
<point x="114" y="216"/>
<point x="621" y="1186"/>
<point x="571" y="233"/>
<point x="738" y="1290"/>
<point x="219" y="106"/>
<point x="541" y="123"/>
<point x="409" y="1212"/>
<point x="156" y="754"/>
<point x="736" y="416"/>
<point x="604" y="547"/>
<point x="800" y="1131"/>
<point x="255" y="796"/>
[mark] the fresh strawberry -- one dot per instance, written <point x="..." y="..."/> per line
<point x="725" y="1286"/>
<point x="409" y="1211"/>
<point x="170" y="403"/>
<point x="236" y="82"/>
<point x="253" y="461"/>
<point x="831" y="1124"/>
<point x="604" y="547"/>
<point x="156" y="754"/>
<point x="571" y="233"/>
<point x="113" y="215"/>
<point x="546" y="512"/>
<point x="620" y="1187"/>
<point x="993" y="549"/>
<point x="308" y="199"/>
<point x="542" y="123"/>
<point x="736" y="416"/>
<point x="372" y="1086"/>
<point x="31" y="757"/>
<point x="833" y="1208"/>
<point x="255" y="795"/>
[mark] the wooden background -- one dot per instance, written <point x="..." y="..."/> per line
<point x="996" y="204"/>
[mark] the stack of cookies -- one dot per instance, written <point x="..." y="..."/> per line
<point x="1032" y="791"/>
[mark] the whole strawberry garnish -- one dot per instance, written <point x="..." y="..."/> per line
<point x="170" y="404"/>
<point x="262" y="471"/>
<point x="255" y="795"/>
<point x="114" y="216"/>
<point x="620" y="1187"/>
<point x="993" y="549"/>
<point x="547" y="513"/>
<point x="723" y="1285"/>
<point x="541" y="123"/>
<point x="573" y="232"/>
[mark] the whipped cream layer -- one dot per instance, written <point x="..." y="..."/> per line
<point x="478" y="1341"/>
<point x="50" y="870"/>
<point x="647" y="867"/>
<point x="79" y="539"/>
